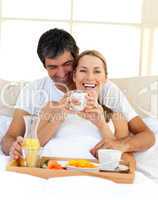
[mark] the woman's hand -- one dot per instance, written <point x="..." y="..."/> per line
<point x="109" y="143"/>
<point x="93" y="111"/>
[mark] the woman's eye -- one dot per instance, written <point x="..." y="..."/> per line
<point x="97" y="72"/>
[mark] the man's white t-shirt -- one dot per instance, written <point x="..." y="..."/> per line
<point x="36" y="94"/>
<point x="112" y="97"/>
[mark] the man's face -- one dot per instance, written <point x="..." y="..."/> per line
<point x="60" y="68"/>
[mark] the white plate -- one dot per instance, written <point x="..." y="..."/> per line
<point x="63" y="163"/>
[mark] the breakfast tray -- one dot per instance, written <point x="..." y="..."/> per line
<point x="118" y="177"/>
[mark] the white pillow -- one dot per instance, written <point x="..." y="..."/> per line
<point x="152" y="123"/>
<point x="147" y="161"/>
<point x="4" y="125"/>
<point x="9" y="92"/>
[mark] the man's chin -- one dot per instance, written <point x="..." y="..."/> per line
<point x="64" y="80"/>
<point x="61" y="81"/>
<point x="62" y="84"/>
<point x="58" y="80"/>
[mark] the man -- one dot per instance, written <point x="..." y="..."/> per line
<point x="57" y="51"/>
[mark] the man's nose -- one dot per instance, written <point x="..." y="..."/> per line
<point x="60" y="72"/>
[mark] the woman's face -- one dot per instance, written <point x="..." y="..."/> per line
<point x="90" y="73"/>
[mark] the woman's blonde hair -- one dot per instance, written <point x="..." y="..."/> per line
<point x="91" y="53"/>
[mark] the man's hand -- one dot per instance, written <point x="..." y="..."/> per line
<point x="51" y="117"/>
<point x="109" y="143"/>
<point x="16" y="148"/>
<point x="55" y="111"/>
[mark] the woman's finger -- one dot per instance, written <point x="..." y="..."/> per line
<point x="94" y="150"/>
<point x="92" y="110"/>
<point x="91" y="100"/>
<point x="82" y="114"/>
<point x="92" y="93"/>
<point x="99" y="145"/>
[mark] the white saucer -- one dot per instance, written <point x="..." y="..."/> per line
<point x="120" y="168"/>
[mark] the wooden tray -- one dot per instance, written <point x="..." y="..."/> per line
<point x="118" y="177"/>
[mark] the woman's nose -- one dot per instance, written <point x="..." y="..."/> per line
<point x="90" y="76"/>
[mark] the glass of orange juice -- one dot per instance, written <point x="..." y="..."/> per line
<point x="31" y="145"/>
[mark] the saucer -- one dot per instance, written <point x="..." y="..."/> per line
<point x="119" y="168"/>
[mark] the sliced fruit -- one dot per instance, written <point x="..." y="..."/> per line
<point x="53" y="164"/>
<point x="81" y="163"/>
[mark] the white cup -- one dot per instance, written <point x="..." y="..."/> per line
<point x="78" y="95"/>
<point x="109" y="158"/>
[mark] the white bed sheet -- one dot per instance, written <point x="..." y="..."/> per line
<point x="96" y="188"/>
<point x="147" y="162"/>
<point x="22" y="186"/>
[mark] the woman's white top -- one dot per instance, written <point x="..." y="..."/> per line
<point x="74" y="138"/>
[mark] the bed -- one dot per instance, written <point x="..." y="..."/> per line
<point x="144" y="98"/>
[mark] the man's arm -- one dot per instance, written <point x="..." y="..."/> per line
<point x="17" y="128"/>
<point x="142" y="138"/>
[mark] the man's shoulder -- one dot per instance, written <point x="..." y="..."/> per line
<point x="39" y="83"/>
<point x="110" y="95"/>
<point x="41" y="80"/>
<point x="110" y="86"/>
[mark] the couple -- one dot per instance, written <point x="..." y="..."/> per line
<point x="58" y="52"/>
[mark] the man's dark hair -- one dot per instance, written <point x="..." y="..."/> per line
<point x="54" y="42"/>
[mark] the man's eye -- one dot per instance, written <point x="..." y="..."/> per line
<point x="52" y="67"/>
<point x="82" y="70"/>
<point x="68" y="63"/>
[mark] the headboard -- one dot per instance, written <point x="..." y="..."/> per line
<point x="142" y="93"/>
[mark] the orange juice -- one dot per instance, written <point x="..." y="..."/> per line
<point x="31" y="143"/>
<point x="31" y="148"/>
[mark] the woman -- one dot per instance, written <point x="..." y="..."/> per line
<point x="95" y="122"/>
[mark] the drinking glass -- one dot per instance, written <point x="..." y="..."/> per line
<point x="31" y="144"/>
